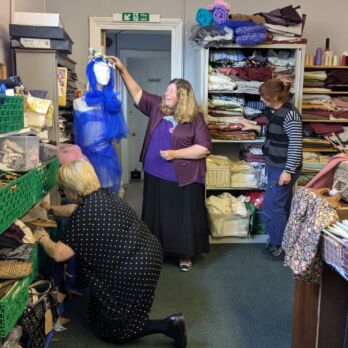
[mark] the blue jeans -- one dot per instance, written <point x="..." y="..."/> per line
<point x="276" y="204"/>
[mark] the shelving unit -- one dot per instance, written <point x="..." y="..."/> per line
<point x="231" y="148"/>
<point x="325" y="91"/>
<point x="38" y="71"/>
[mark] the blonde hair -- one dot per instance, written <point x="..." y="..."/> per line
<point x="79" y="177"/>
<point x="187" y="109"/>
<point x="275" y="90"/>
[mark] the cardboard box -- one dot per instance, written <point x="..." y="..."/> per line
<point x="64" y="46"/>
<point x="39" y="19"/>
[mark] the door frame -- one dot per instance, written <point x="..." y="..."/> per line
<point x="124" y="55"/>
<point x="98" y="25"/>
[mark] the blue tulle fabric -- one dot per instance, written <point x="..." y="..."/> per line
<point x="97" y="128"/>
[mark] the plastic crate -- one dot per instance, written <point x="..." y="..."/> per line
<point x="45" y="177"/>
<point x="11" y="113"/>
<point x="35" y="261"/>
<point x="16" y="198"/>
<point x="12" y="306"/>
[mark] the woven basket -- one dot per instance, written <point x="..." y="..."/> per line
<point x="218" y="176"/>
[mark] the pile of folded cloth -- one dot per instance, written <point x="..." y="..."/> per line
<point x="285" y="24"/>
<point x="322" y="81"/>
<point x="314" y="161"/>
<point x="216" y="23"/>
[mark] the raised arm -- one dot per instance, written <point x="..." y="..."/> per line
<point x="132" y="86"/>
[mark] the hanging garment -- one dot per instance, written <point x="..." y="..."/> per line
<point x="309" y="215"/>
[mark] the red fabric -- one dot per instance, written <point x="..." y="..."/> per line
<point x="249" y="74"/>
<point x="324" y="179"/>
<point x="326" y="129"/>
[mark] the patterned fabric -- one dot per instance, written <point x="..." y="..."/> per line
<point x="119" y="259"/>
<point x="309" y="215"/>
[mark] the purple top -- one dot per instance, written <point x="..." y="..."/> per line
<point x="154" y="164"/>
<point x="185" y="135"/>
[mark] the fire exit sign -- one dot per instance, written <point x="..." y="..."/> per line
<point x="135" y="17"/>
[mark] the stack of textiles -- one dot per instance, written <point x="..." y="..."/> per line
<point x="254" y="154"/>
<point x="316" y="143"/>
<point x="250" y="35"/>
<point x="245" y="175"/>
<point x="324" y="130"/>
<point x="314" y="79"/>
<point x="314" y="161"/>
<point x="220" y="82"/>
<point x="286" y="24"/>
<point x="337" y="80"/>
<point x="227" y="57"/>
<point x="225" y="112"/>
<point x="283" y="65"/>
<point x="317" y="106"/>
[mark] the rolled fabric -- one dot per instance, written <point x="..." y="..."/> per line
<point x="220" y="14"/>
<point x="204" y="17"/>
<point x="251" y="39"/>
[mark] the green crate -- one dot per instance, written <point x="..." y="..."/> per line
<point x="11" y="113"/>
<point x="45" y="177"/>
<point x="34" y="258"/>
<point x="12" y="306"/>
<point x="16" y="198"/>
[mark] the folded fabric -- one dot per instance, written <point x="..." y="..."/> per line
<point x="22" y="253"/>
<point x="11" y="269"/>
<point x="257" y="19"/>
<point x="326" y="129"/>
<point x="251" y="39"/>
<point x="204" y="17"/>
<point x="259" y="28"/>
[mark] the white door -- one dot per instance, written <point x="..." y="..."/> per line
<point x="151" y="69"/>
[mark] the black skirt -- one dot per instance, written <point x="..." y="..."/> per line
<point x="176" y="215"/>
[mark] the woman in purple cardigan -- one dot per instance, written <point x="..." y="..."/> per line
<point x="173" y="155"/>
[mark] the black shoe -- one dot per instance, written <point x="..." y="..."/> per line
<point x="177" y="330"/>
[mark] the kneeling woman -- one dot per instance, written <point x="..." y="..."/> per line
<point x="118" y="258"/>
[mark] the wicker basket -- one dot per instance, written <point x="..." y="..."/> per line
<point x="218" y="176"/>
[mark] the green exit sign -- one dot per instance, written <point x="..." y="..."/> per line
<point x="135" y="17"/>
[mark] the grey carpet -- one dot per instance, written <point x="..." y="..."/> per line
<point x="233" y="298"/>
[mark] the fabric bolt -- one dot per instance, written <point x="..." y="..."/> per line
<point x="255" y="104"/>
<point x="119" y="259"/>
<point x="276" y="204"/>
<point x="246" y="18"/>
<point x="235" y="55"/>
<point x="309" y="215"/>
<point x="184" y="135"/>
<point x="187" y="236"/>
<point x="326" y="129"/>
<point x="335" y="77"/>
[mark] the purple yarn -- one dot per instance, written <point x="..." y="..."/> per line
<point x="220" y="14"/>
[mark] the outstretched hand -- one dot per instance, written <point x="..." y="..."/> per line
<point x="118" y="63"/>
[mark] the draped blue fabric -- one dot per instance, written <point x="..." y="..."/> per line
<point x="96" y="129"/>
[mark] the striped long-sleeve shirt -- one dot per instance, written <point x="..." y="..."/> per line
<point x="292" y="127"/>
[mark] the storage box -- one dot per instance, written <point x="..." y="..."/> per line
<point x="47" y="151"/>
<point x="228" y="225"/>
<point x="218" y="176"/>
<point x="37" y="18"/>
<point x="64" y="46"/>
<point x="19" y="152"/>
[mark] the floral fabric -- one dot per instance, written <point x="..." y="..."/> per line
<point x="309" y="215"/>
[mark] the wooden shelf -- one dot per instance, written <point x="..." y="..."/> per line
<point x="326" y="66"/>
<point x="255" y="141"/>
<point x="343" y="120"/>
<point x="326" y="92"/>
<point x="235" y="188"/>
<point x="318" y="149"/>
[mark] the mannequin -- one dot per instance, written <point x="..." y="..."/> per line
<point x="98" y="122"/>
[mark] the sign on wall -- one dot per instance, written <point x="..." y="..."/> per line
<point x="135" y="17"/>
